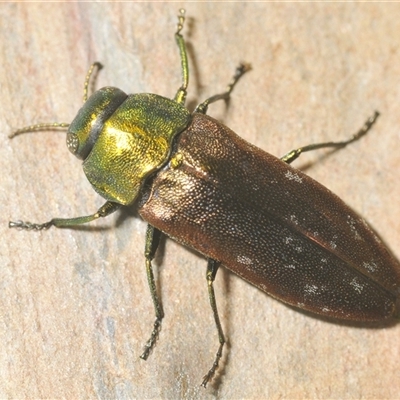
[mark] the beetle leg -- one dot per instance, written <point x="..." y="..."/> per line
<point x="153" y="236"/>
<point x="240" y="71"/>
<point x="107" y="209"/>
<point x="292" y="155"/>
<point x="212" y="268"/>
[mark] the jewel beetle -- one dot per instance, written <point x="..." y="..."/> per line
<point x="194" y="180"/>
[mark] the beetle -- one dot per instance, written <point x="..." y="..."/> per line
<point x="194" y="180"/>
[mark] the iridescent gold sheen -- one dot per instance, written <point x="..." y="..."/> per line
<point x="133" y="142"/>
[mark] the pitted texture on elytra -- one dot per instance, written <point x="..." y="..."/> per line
<point x="272" y="225"/>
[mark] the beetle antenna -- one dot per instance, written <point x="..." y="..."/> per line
<point x="55" y="126"/>
<point x="52" y="126"/>
<point x="91" y="77"/>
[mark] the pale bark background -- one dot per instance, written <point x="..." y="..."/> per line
<point x="75" y="309"/>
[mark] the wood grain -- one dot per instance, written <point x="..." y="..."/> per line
<point x="75" y="306"/>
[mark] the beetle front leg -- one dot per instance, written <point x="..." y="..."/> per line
<point x="153" y="236"/>
<point x="294" y="154"/>
<point x="212" y="268"/>
<point x="107" y="209"/>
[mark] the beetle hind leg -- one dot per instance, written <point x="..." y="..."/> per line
<point x="294" y="154"/>
<point x="212" y="268"/>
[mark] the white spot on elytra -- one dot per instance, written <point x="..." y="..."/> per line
<point x="311" y="289"/>
<point x="358" y="287"/>
<point x="244" y="260"/>
<point x="352" y="224"/>
<point x="332" y="243"/>
<point x="292" y="176"/>
<point x="371" y="266"/>
<point x="288" y="240"/>
<point x="263" y="287"/>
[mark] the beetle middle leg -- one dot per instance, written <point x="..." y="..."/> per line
<point x="294" y="154"/>
<point x="240" y="71"/>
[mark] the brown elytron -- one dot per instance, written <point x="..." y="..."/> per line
<point x="272" y="225"/>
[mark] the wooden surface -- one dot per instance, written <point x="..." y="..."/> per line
<point x="75" y="306"/>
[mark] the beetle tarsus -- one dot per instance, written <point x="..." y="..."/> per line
<point x="241" y="69"/>
<point x="367" y="126"/>
<point x="29" y="226"/>
<point x="152" y="341"/>
<point x="214" y="367"/>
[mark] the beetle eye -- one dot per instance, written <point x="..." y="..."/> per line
<point x="72" y="142"/>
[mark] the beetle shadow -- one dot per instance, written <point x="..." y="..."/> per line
<point x="226" y="282"/>
<point x="194" y="70"/>
<point x="87" y="228"/>
<point x="131" y="211"/>
<point x="374" y="325"/>
<point x="388" y="323"/>
<point x="224" y="275"/>
<point x="122" y="214"/>
<point x="357" y="324"/>
<point x="191" y="104"/>
<point x="307" y="165"/>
